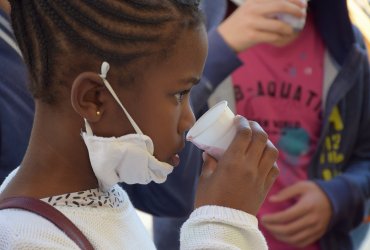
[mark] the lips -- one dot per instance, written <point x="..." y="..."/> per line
<point x="175" y="160"/>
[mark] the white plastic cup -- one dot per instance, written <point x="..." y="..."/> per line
<point x="296" y="23"/>
<point x="214" y="131"/>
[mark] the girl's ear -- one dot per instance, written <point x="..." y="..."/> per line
<point x="87" y="96"/>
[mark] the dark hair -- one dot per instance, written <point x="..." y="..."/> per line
<point x="54" y="33"/>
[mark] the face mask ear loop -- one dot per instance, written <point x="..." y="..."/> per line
<point x="104" y="71"/>
<point x="88" y="128"/>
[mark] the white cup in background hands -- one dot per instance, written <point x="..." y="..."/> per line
<point x="214" y="130"/>
<point x="296" y="23"/>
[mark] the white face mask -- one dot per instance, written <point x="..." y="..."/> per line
<point x="128" y="158"/>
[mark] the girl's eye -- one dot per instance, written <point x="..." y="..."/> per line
<point x="180" y="96"/>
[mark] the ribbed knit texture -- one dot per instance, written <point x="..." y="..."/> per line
<point x="106" y="228"/>
<point x="209" y="227"/>
<point x="215" y="227"/>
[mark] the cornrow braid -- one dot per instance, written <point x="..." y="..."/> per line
<point x="20" y="25"/>
<point x="130" y="33"/>
<point x="44" y="46"/>
<point x="82" y="40"/>
<point x="100" y="5"/>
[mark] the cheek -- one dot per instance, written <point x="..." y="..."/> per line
<point x="165" y="135"/>
<point x="161" y="125"/>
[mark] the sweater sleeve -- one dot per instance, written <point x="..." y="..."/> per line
<point x="215" y="227"/>
<point x="349" y="191"/>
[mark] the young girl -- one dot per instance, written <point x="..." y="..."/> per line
<point x="111" y="82"/>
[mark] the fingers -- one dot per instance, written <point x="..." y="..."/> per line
<point x="242" y="138"/>
<point x="241" y="177"/>
<point x="264" y="154"/>
<point x="259" y="157"/>
<point x="285" y="216"/>
<point x="273" y="27"/>
<point x="302" y="238"/>
<point x="258" y="145"/>
<point x="300" y="3"/>
<point x="205" y="179"/>
<point x="298" y="233"/>
<point x="271" y="177"/>
<point x="289" y="192"/>
<point x="268" y="166"/>
<point x="270" y="8"/>
<point x="286" y="224"/>
<point x="251" y="145"/>
<point x="263" y="30"/>
<point x="249" y="24"/>
<point x="290" y="228"/>
<point x="270" y="156"/>
<point x="209" y="165"/>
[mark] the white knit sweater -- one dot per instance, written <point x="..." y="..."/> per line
<point x="209" y="227"/>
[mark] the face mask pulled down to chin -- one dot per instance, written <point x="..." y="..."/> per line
<point x="128" y="158"/>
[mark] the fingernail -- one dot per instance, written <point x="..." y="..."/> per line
<point x="207" y="172"/>
<point x="242" y="121"/>
<point x="204" y="156"/>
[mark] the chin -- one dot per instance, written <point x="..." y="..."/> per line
<point x="162" y="158"/>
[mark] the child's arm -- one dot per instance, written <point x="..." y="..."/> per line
<point x="230" y="193"/>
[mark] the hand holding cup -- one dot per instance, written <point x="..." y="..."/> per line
<point x="243" y="175"/>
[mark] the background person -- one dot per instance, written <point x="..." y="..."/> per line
<point x="333" y="178"/>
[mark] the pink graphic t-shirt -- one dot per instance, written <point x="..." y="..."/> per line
<point x="281" y="88"/>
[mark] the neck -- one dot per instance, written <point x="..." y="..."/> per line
<point x="56" y="161"/>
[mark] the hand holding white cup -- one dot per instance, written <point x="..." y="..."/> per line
<point x="296" y="23"/>
<point x="214" y="131"/>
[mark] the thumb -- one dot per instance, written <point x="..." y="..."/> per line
<point x="209" y="165"/>
<point x="288" y="193"/>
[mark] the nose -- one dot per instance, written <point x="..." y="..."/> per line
<point x="187" y="118"/>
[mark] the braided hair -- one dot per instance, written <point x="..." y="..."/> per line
<point x="53" y="33"/>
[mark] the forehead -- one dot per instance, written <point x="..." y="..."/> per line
<point x="185" y="59"/>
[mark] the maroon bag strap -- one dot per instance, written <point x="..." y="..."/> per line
<point x="50" y="213"/>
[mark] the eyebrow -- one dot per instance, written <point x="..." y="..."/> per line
<point x="192" y="80"/>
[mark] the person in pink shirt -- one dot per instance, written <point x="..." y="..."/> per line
<point x="281" y="88"/>
<point x="283" y="83"/>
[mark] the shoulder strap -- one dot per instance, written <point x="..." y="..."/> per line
<point x="50" y="213"/>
